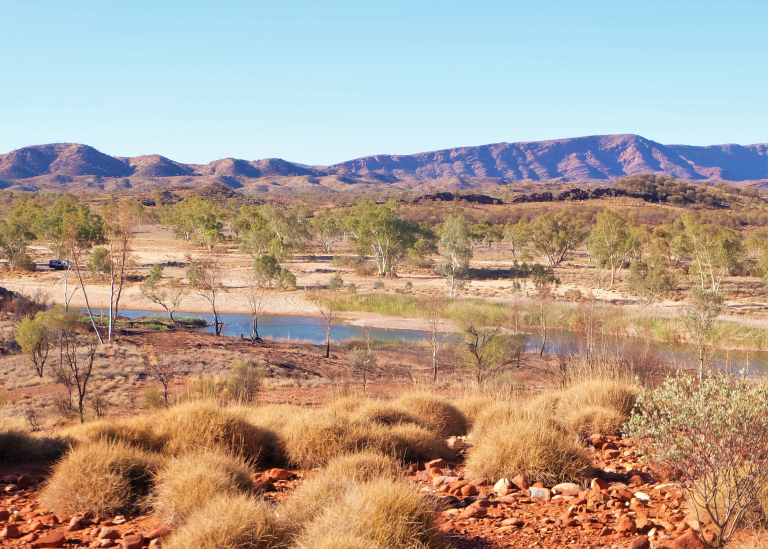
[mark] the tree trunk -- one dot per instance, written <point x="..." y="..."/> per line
<point x="328" y="347"/>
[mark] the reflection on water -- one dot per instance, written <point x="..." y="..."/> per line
<point x="305" y="328"/>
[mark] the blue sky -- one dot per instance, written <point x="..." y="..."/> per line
<point x="322" y="82"/>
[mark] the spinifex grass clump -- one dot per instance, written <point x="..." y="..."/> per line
<point x="102" y="478"/>
<point x="712" y="436"/>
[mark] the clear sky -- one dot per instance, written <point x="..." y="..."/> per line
<point x="320" y="82"/>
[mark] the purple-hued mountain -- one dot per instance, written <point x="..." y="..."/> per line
<point x="69" y="166"/>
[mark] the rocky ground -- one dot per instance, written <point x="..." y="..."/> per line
<point x="626" y="504"/>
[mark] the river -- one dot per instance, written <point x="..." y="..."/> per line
<point x="307" y="329"/>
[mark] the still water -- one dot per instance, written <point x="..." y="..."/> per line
<point x="307" y="329"/>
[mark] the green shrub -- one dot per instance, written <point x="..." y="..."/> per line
<point x="378" y="285"/>
<point x="153" y="399"/>
<point x="714" y="432"/>
<point x="336" y="282"/>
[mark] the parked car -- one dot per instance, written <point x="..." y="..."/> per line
<point x="58" y="264"/>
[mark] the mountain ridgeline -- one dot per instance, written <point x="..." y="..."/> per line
<point x="595" y="159"/>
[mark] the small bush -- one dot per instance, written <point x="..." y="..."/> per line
<point x="378" y="285"/>
<point x="715" y="432"/>
<point x="186" y="483"/>
<point x="527" y="442"/>
<point x="472" y="406"/>
<point x="25" y="263"/>
<point x="362" y="467"/>
<point x="153" y="399"/>
<point x="102" y="478"/>
<point x="351" y="288"/>
<point x="336" y="282"/>
<point x="408" y="285"/>
<point x="245" y="381"/>
<point x="231" y="522"/>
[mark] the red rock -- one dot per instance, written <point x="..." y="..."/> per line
<point x="54" y="539"/>
<point x="36" y="526"/>
<point x="4" y="515"/>
<point x="640" y="542"/>
<point x="435" y="472"/>
<point x="424" y="476"/>
<point x="49" y="520"/>
<point x="158" y="533"/>
<point x="626" y="524"/>
<point x="108" y="533"/>
<point x="688" y="541"/>
<point x="134" y="541"/>
<point x="474" y="511"/>
<point x="599" y="484"/>
<point x="77" y="523"/>
<point x="278" y="474"/>
<point x="623" y="495"/>
<point x="438" y="463"/>
<point x="636" y="480"/>
<point x="468" y="490"/>
<point x="521" y="482"/>
<point x="23" y="481"/>
<point x="29" y="538"/>
<point x="481" y="481"/>
<point x="11" y="532"/>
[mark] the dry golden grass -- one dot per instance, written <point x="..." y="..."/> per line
<point x="362" y="467"/>
<point x="472" y="406"/>
<point x="202" y="424"/>
<point x="385" y="413"/>
<point x="230" y="522"/>
<point x="136" y="431"/>
<point x="433" y="412"/>
<point x="102" y="478"/>
<point x="594" y="419"/>
<point x="188" y="482"/>
<point x="18" y="446"/>
<point x="528" y="442"/>
<point x="313" y="439"/>
<point x="392" y="513"/>
<point x="271" y="419"/>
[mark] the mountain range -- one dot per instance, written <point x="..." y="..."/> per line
<point x="594" y="159"/>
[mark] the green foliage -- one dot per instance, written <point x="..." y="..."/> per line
<point x="659" y="188"/>
<point x="553" y="236"/>
<point x="25" y="263"/>
<point x="327" y="229"/>
<point x="374" y="229"/>
<point x="613" y="241"/>
<point x="699" y="318"/>
<point x="32" y="337"/>
<point x="715" y="251"/>
<point x="99" y="262"/>
<point x="650" y="280"/>
<point x="351" y="288"/>
<point x="457" y="251"/>
<point x="714" y="433"/>
<point x="336" y="282"/>
<point x="245" y="381"/>
<point x="378" y="285"/>
<point x="197" y="219"/>
<point x="269" y="273"/>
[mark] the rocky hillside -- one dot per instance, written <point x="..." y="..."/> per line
<point x="74" y="167"/>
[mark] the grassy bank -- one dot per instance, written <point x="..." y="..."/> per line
<point x="606" y="319"/>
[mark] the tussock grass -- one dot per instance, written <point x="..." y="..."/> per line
<point x="271" y="419"/>
<point x="187" y="483"/>
<point x="102" y="478"/>
<point x="18" y="446"/>
<point x="202" y="424"/>
<point x="137" y="431"/>
<point x="230" y="522"/>
<point x="594" y="419"/>
<point x="362" y="467"/>
<point x="528" y="442"/>
<point x="393" y="516"/>
<point x="472" y="406"/>
<point x="433" y="412"/>
<point x="384" y="413"/>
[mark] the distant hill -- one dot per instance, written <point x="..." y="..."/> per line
<point x="596" y="159"/>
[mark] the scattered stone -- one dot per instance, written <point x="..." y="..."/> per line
<point x="4" y="514"/>
<point x="688" y="541"/>
<point x="54" y="539"/>
<point x="567" y="489"/>
<point x="469" y="490"/>
<point x="10" y="532"/>
<point x="501" y="488"/>
<point x="513" y="522"/>
<point x="455" y="444"/>
<point x="436" y="464"/>
<point x="278" y="474"/>
<point x="474" y="511"/>
<point x="640" y="542"/>
<point x="539" y="493"/>
<point x="133" y="541"/>
<point x="599" y="484"/>
<point x="521" y="483"/>
<point x="626" y="524"/>
<point x="24" y="481"/>
<point x="108" y="533"/>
